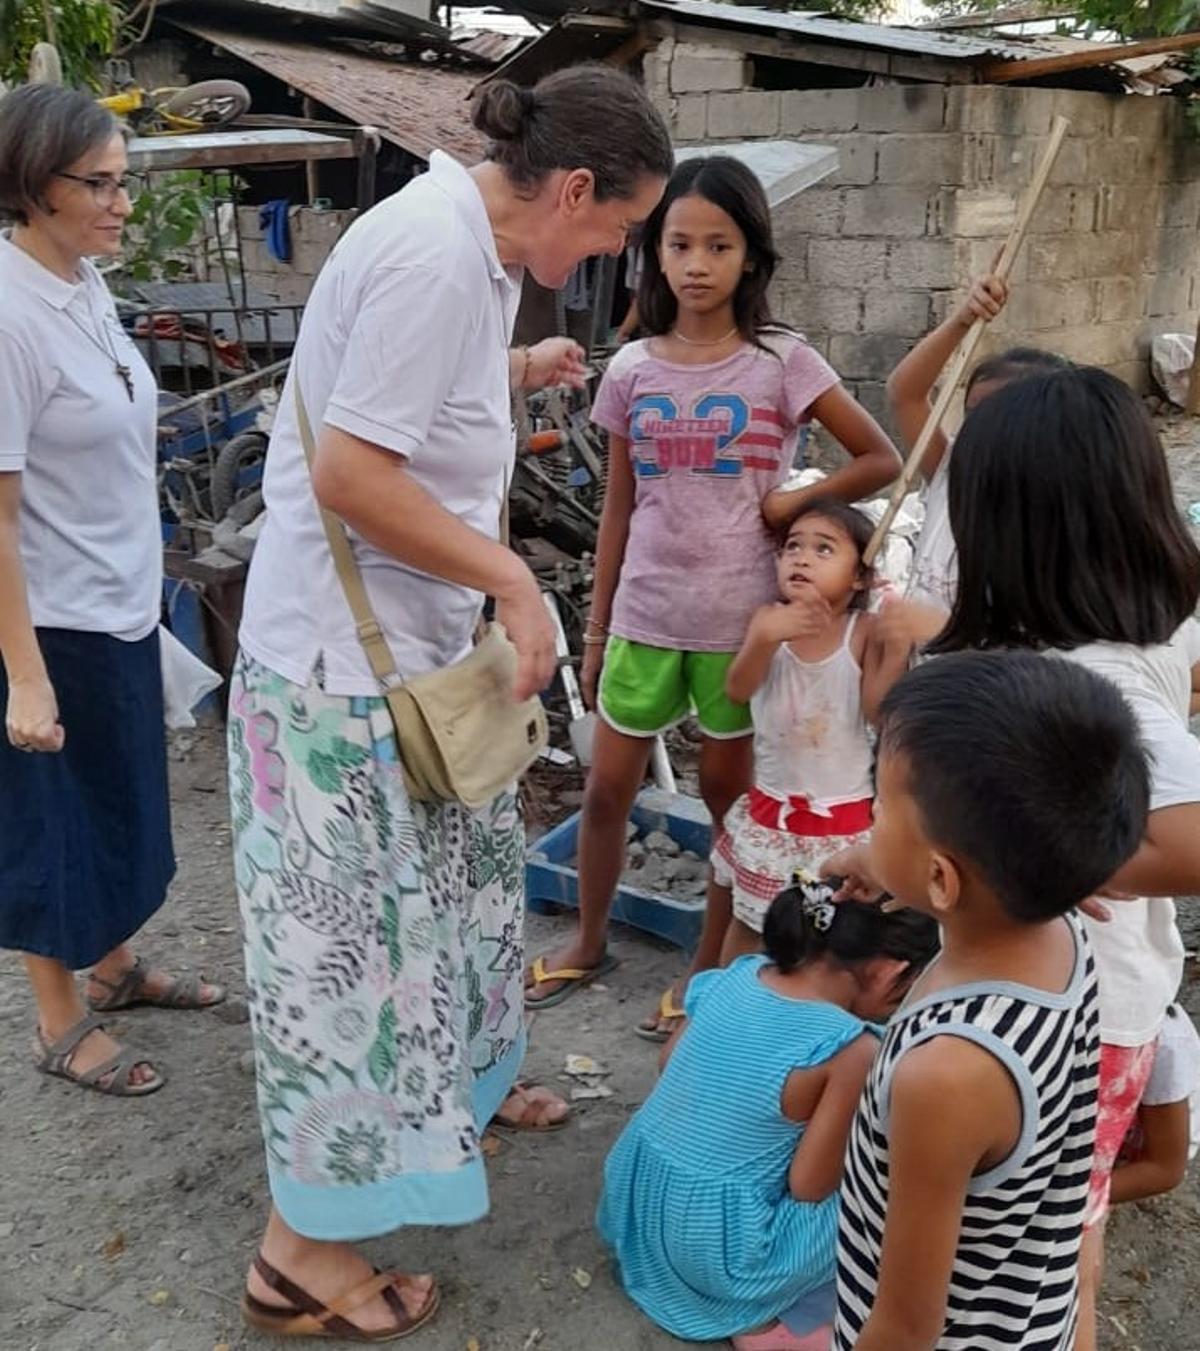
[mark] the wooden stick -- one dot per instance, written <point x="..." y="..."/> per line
<point x="962" y="358"/>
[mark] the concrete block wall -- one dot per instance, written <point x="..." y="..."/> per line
<point x="928" y="184"/>
<point x="314" y="233"/>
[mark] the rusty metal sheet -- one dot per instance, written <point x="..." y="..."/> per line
<point x="419" y="107"/>
<point x="827" y="28"/>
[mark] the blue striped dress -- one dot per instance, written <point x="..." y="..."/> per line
<point x="696" y="1209"/>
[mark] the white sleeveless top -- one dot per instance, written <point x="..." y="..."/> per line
<point x="810" y="736"/>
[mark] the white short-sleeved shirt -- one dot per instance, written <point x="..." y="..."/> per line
<point x="1139" y="952"/>
<point x="934" y="577"/>
<point x="404" y="343"/>
<point x="91" y="544"/>
<point x="1176" y="1073"/>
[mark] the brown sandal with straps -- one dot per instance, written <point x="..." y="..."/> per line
<point x="130" y="992"/>
<point x="308" y="1317"/>
<point x="110" y="1076"/>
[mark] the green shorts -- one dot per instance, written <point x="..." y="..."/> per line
<point x="644" y="690"/>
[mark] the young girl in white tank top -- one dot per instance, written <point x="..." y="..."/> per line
<point x="814" y="672"/>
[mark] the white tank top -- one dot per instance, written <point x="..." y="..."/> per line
<point x="810" y="737"/>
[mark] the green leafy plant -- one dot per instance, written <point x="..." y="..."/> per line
<point x="167" y="216"/>
<point x="84" y="31"/>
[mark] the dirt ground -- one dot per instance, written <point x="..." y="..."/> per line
<point x="130" y="1223"/>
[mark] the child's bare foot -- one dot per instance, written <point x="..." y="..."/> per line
<point x="661" y="1024"/>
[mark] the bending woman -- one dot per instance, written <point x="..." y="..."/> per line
<point x="384" y="936"/>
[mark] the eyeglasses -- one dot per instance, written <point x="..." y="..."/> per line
<point x="105" y="189"/>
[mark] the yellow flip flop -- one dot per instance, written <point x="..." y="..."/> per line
<point x="667" y="1008"/>
<point x="575" y="978"/>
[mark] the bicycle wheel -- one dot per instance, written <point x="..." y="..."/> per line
<point x="211" y="103"/>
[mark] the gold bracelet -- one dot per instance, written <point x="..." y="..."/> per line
<point x="594" y="639"/>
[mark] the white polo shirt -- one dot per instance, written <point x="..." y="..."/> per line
<point x="404" y="343"/>
<point x="91" y="544"/>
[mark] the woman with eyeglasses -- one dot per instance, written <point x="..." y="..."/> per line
<point x="85" y="833"/>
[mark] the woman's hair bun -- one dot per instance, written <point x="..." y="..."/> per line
<point x="501" y="110"/>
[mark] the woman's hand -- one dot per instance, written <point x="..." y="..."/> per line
<point x="531" y="632"/>
<point x="32" y="719"/>
<point x="555" y="361"/>
<point x="987" y="297"/>
<point x="589" y="673"/>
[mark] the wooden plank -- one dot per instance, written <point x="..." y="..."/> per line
<point x="962" y="359"/>
<point x="1003" y="72"/>
<point x="229" y="149"/>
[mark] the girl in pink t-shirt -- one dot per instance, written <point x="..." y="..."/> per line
<point x="703" y="419"/>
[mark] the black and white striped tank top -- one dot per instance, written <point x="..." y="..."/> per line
<point x="1013" y="1285"/>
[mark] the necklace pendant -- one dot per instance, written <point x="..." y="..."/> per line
<point x="126" y="376"/>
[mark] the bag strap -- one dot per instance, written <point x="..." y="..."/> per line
<point x="370" y="635"/>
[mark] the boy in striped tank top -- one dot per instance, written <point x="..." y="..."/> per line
<point x="1010" y="788"/>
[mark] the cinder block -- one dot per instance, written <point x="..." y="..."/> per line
<point x="656" y="72"/>
<point x="1065" y="209"/>
<point x="747" y="114"/>
<point x="701" y="69"/>
<point x="872" y="395"/>
<point x="1118" y="253"/>
<point x="825" y="309"/>
<point x="902" y="108"/>
<point x="1180" y="204"/>
<point x="1127" y="207"/>
<point x="1166" y="293"/>
<point x="689" y="117"/>
<point x="1059" y="257"/>
<point x="1097" y="344"/>
<point x="846" y="262"/>
<point x="793" y="265"/>
<point x="1049" y="305"/>
<point x="1118" y="300"/>
<point x="866" y="356"/>
<point x="974" y="257"/>
<point x="1073" y="164"/>
<point x="1089" y="114"/>
<point x="900" y="312"/>
<point x="916" y="263"/>
<point x="819" y="211"/>
<point x="999" y="111"/>
<point x="978" y="158"/>
<point x="809" y="111"/>
<point x="934" y="157"/>
<point x="892" y="212"/>
<point x="1178" y="250"/>
<point x="981" y="213"/>
<point x="1013" y="158"/>
<point x="1140" y="117"/>
<point x="857" y="156"/>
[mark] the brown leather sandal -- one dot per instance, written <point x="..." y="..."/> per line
<point x="130" y="992"/>
<point x="308" y="1317"/>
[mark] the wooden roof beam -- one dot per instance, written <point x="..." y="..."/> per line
<point x="1036" y="68"/>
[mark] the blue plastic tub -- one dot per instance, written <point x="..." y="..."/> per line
<point x="551" y="879"/>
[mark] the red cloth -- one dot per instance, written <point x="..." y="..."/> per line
<point x="795" y="816"/>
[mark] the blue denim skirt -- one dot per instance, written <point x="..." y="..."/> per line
<point x="85" y="834"/>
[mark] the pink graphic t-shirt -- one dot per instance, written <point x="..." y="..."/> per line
<point x="707" y="443"/>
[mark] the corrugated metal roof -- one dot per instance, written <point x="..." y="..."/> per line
<point x="419" y="107"/>
<point x="884" y="37"/>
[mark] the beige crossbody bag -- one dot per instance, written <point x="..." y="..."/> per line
<point x="461" y="735"/>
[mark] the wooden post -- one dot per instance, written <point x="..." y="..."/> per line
<point x="962" y="358"/>
<point x="1192" y="407"/>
